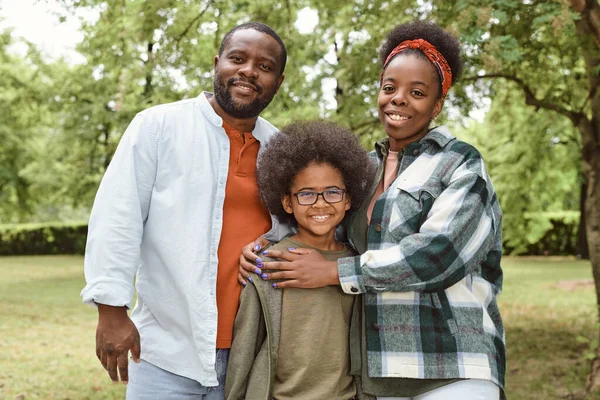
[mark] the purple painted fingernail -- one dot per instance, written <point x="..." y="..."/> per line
<point x="291" y="248"/>
<point x="257" y="271"/>
<point x="264" y="276"/>
<point x="243" y="283"/>
<point x="250" y="278"/>
<point x="259" y="260"/>
<point x="274" y="285"/>
<point x="256" y="247"/>
<point x="265" y="252"/>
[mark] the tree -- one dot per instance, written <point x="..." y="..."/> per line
<point x="26" y="123"/>
<point x="534" y="157"/>
<point x="549" y="51"/>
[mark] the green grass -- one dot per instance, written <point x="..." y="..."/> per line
<point x="47" y="335"/>
<point x="542" y="322"/>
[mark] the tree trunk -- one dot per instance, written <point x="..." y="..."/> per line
<point x="588" y="29"/>
<point x="581" y="247"/>
<point x="591" y="170"/>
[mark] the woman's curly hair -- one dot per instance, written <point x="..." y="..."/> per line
<point x="300" y="143"/>
<point x="442" y="40"/>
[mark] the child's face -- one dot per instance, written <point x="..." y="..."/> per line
<point x="408" y="99"/>
<point x="321" y="218"/>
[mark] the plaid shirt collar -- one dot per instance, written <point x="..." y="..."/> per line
<point x="440" y="136"/>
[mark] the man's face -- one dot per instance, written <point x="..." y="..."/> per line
<point x="247" y="73"/>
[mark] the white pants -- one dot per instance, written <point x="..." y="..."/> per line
<point x="469" y="389"/>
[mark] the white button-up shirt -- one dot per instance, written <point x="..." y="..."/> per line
<point x="158" y="216"/>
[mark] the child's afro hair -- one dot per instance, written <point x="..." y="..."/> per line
<point x="442" y="40"/>
<point x="299" y="144"/>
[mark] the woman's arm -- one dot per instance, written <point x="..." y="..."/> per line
<point x="300" y="268"/>
<point x="461" y="232"/>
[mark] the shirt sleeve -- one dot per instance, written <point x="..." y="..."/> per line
<point x="117" y="220"/>
<point x="457" y="235"/>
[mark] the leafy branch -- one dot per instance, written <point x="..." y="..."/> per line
<point x="530" y="98"/>
<point x="192" y="22"/>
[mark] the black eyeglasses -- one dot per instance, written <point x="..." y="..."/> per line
<point x="331" y="196"/>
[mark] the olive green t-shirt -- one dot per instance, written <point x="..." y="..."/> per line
<point x="314" y="356"/>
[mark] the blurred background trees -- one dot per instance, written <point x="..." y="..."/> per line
<point x="526" y="88"/>
<point x="62" y="122"/>
<point x="528" y="97"/>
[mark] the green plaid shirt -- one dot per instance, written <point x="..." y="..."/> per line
<point x="430" y="266"/>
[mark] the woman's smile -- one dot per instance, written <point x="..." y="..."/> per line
<point x="408" y="99"/>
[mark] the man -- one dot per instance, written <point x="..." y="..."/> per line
<point x="176" y="205"/>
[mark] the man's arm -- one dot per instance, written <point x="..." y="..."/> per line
<point x="113" y="247"/>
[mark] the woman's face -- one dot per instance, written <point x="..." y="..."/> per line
<point x="408" y="99"/>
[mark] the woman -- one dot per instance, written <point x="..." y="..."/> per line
<point x="429" y="239"/>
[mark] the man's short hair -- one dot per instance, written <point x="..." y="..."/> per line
<point x="260" y="27"/>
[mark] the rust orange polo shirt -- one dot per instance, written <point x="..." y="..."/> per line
<point x="244" y="219"/>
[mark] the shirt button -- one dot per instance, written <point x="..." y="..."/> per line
<point x="378" y="228"/>
<point x="416" y="152"/>
<point x="353" y="289"/>
<point x="375" y="326"/>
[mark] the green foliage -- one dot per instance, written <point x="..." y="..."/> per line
<point x="534" y="159"/>
<point x="62" y="123"/>
<point x="541" y="233"/>
<point x="26" y="123"/>
<point x="29" y="239"/>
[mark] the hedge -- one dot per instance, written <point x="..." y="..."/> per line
<point x="541" y="233"/>
<point x="49" y="238"/>
<point x="529" y="234"/>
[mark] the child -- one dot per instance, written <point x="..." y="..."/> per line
<point x="294" y="343"/>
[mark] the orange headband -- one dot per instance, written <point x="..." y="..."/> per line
<point x="436" y="58"/>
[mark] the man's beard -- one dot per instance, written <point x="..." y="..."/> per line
<point x="243" y="111"/>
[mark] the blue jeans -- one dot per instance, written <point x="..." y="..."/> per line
<point x="148" y="382"/>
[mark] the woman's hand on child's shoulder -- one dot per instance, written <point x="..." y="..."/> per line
<point x="249" y="261"/>
<point x="300" y="268"/>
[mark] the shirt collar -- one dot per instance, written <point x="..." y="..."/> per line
<point x="440" y="135"/>
<point x="261" y="129"/>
